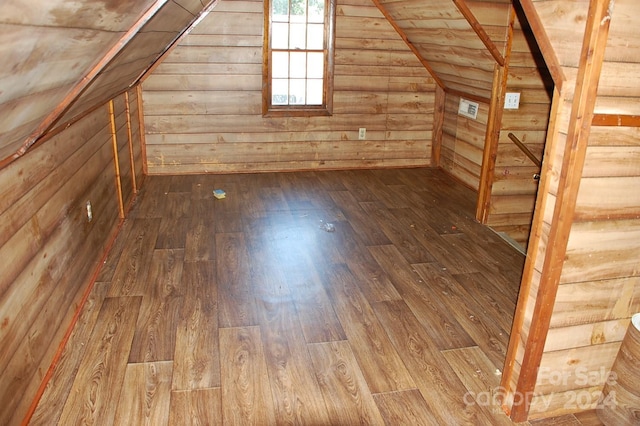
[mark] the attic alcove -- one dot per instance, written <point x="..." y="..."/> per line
<point x="85" y="82"/>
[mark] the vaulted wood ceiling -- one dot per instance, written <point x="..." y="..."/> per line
<point x="63" y="57"/>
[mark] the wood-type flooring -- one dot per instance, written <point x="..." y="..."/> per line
<point x="316" y="298"/>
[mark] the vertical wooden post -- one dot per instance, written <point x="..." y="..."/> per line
<point x="581" y="117"/>
<point x="116" y="161"/>
<point x="438" y="123"/>
<point x="127" y="109"/>
<point x="494" y="124"/>
<point x="143" y="141"/>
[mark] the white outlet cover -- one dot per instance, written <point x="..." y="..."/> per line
<point x="512" y="101"/>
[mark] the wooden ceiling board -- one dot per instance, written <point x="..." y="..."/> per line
<point x="462" y="58"/>
<point x="564" y="22"/>
<point x="105" y="15"/>
<point x="447" y="41"/>
<point x="445" y="37"/>
<point x="65" y="57"/>
<point x="38" y="59"/>
<point x="623" y="44"/>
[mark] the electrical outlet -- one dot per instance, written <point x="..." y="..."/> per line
<point x="511" y="100"/>
<point x="362" y="133"/>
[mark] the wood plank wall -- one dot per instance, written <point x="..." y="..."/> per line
<point x="514" y="190"/>
<point x="49" y="249"/>
<point x="203" y="103"/>
<point x="599" y="285"/>
<point x="463" y="142"/>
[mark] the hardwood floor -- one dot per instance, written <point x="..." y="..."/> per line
<point x="319" y="298"/>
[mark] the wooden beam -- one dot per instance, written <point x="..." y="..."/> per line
<point x="524" y="149"/>
<point x="482" y="34"/>
<point x="127" y="109"/>
<point x="143" y="139"/>
<point x="438" y="125"/>
<point x="533" y="251"/>
<point x="546" y="48"/>
<point x="411" y="46"/>
<point x="616" y="120"/>
<point x="494" y="125"/>
<point x="116" y="161"/>
<point x="591" y="59"/>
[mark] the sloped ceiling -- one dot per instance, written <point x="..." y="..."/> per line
<point x="63" y="57"/>
<point x="449" y="34"/>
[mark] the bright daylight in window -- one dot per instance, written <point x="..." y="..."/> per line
<point x="297" y="63"/>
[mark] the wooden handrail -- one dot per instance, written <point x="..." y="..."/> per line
<point x="524" y="149"/>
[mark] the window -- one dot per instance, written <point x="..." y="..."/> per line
<point x="298" y="57"/>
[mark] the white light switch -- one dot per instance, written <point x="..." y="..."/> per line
<point x="512" y="101"/>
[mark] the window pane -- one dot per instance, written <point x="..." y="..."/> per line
<point x="280" y="10"/>
<point x="315" y="65"/>
<point x="280" y="36"/>
<point x="297" y="53"/>
<point x="298" y="37"/>
<point x="279" y="91"/>
<point x="316" y="11"/>
<point x="314" y="92"/>
<point x="298" y="65"/>
<point x="297" y="92"/>
<point x="315" y="36"/>
<point x="280" y="65"/>
<point x="298" y="11"/>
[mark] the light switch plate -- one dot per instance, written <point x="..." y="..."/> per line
<point x="512" y="101"/>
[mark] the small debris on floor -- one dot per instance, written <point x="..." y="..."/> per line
<point x="327" y="226"/>
<point x="219" y="194"/>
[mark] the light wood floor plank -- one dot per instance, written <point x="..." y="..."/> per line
<point x="375" y="283"/>
<point x="246" y="391"/>
<point x="286" y="246"/>
<point x="428" y="305"/>
<point x="348" y="399"/>
<point x="442" y="390"/>
<point x="130" y="275"/>
<point x="174" y="225"/>
<point x="443" y="252"/>
<point x="482" y="328"/>
<point x="381" y="365"/>
<point x="200" y="243"/>
<point x="479" y="376"/>
<point x="296" y="395"/>
<point x="197" y="354"/>
<point x="401" y="237"/>
<point x="200" y="407"/>
<point x="155" y="336"/>
<point x="236" y="304"/>
<point x="146" y="393"/>
<point x="405" y="408"/>
<point x="96" y="388"/>
<point x="366" y="229"/>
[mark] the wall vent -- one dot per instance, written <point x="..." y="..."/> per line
<point x="468" y="109"/>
